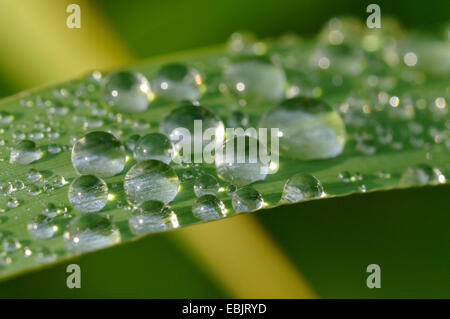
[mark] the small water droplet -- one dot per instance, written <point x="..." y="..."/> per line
<point x="44" y="255"/>
<point x="132" y="141"/>
<point x="54" y="149"/>
<point x="420" y="175"/>
<point x="10" y="244"/>
<point x="301" y="187"/>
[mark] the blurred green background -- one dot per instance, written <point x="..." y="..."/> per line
<point x="330" y="242"/>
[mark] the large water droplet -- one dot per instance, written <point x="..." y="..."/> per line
<point x="153" y="146"/>
<point x="127" y="91"/>
<point x="310" y="129"/>
<point x="183" y="117"/>
<point x="208" y="207"/>
<point x="255" y="80"/>
<point x="88" y="193"/>
<point x="98" y="153"/>
<point x="245" y="166"/>
<point x="25" y="152"/>
<point x="206" y="184"/>
<point x="247" y="199"/>
<point x="151" y="180"/>
<point x="41" y="227"/>
<point x="152" y="216"/>
<point x="90" y="231"/>
<point x="177" y="82"/>
<point x="301" y="187"/>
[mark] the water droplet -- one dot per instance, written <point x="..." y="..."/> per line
<point x="54" y="149"/>
<point x="245" y="166"/>
<point x="6" y="188"/>
<point x="151" y="180"/>
<point x="88" y="193"/>
<point x="247" y="199"/>
<point x="208" y="207"/>
<point x="44" y="255"/>
<point x="12" y="202"/>
<point x="177" y="82"/>
<point x="58" y="181"/>
<point x="184" y="117"/>
<point x="153" y="146"/>
<point x="6" y="118"/>
<point x="345" y="176"/>
<point x="98" y="153"/>
<point x="89" y="232"/>
<point x="231" y="189"/>
<point x="188" y="174"/>
<point x="301" y="187"/>
<point x="5" y="260"/>
<point x="310" y="128"/>
<point x="419" y="175"/>
<point x="25" y="152"/>
<point x="206" y="184"/>
<point x="51" y="210"/>
<point x="255" y="80"/>
<point x="127" y="91"/>
<point x="152" y="216"/>
<point x="10" y="244"/>
<point x="34" y="190"/>
<point x="41" y="227"/>
<point x="132" y="141"/>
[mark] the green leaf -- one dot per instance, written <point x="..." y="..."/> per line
<point x="384" y="138"/>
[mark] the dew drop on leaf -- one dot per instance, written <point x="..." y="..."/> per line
<point x="310" y="129"/>
<point x="88" y="193"/>
<point x="185" y="117"/>
<point x="206" y="184"/>
<point x="208" y="207"/>
<point x="177" y="82"/>
<point x="301" y="187"/>
<point x="152" y="216"/>
<point x="126" y="91"/>
<point x="244" y="167"/>
<point x="153" y="146"/>
<point x="247" y="199"/>
<point x="255" y="80"/>
<point x="151" y="180"/>
<point x="98" y="153"/>
<point x="90" y="231"/>
<point x="25" y="152"/>
<point x="41" y="227"/>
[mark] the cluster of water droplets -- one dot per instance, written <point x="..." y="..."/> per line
<point x="353" y="92"/>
